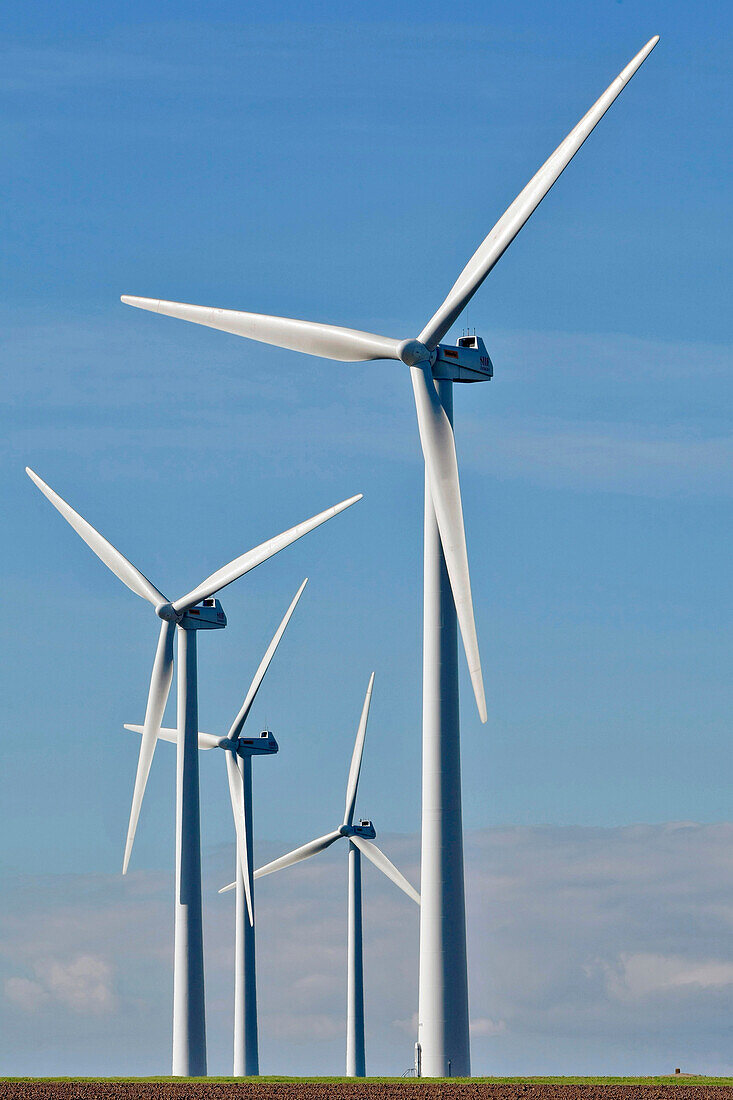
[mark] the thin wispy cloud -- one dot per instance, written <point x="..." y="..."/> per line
<point x="101" y="391"/>
<point x="645" y="974"/>
<point x="612" y="943"/>
<point x="615" y="457"/>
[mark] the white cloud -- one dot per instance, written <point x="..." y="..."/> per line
<point x="644" y="974"/>
<point x="484" y="1026"/>
<point x="83" y="984"/>
<point x="27" y="995"/>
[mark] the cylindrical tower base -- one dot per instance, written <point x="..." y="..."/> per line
<point x="443" y="1034"/>
<point x="355" y="1053"/>
<point x="189" y="1019"/>
<point x="246" y="1050"/>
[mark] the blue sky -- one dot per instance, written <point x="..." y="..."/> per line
<point x="342" y="166"/>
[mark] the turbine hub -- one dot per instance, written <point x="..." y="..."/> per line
<point x="167" y="612"/>
<point x="413" y="352"/>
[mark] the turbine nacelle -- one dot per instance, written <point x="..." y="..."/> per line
<point x="364" y="829"/>
<point x="263" y="745"/>
<point x="207" y="615"/>
<point x="468" y="362"/>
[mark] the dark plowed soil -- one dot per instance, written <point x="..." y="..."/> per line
<point x="388" y="1090"/>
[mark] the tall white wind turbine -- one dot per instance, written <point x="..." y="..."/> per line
<point x="443" y="1034"/>
<point x="197" y="610"/>
<point x="239" y="751"/>
<point x="361" y="840"/>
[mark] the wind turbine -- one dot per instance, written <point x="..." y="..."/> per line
<point x="443" y="1033"/>
<point x="239" y="751"/>
<point x="360" y="838"/>
<point x="197" y="610"/>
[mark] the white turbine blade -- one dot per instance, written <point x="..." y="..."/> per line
<point x="226" y="889"/>
<point x="509" y="224"/>
<point x="353" y="780"/>
<point x="236" y="794"/>
<point x="329" y="341"/>
<point x="252" y="558"/>
<point x="259" y="676"/>
<point x="380" y="860"/>
<point x="104" y="550"/>
<point x="312" y="848"/>
<point x="206" y="740"/>
<point x="160" y="686"/>
<point x="163" y="733"/>
<point x="439" y="449"/>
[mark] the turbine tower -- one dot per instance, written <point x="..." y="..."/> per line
<point x="197" y="610"/>
<point x="360" y="839"/>
<point x="443" y="1033"/>
<point x="239" y="751"/>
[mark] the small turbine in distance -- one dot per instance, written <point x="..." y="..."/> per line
<point x="361" y="840"/>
